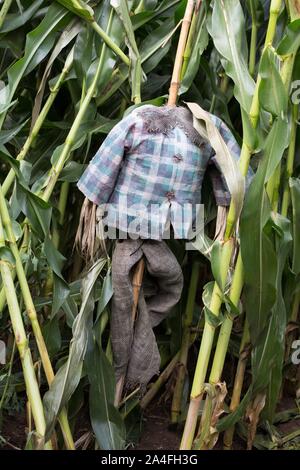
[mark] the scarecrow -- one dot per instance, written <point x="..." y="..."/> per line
<point x="148" y="169"/>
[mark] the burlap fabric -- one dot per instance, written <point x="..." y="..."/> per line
<point x="135" y="350"/>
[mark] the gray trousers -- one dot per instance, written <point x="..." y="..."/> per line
<point x="135" y="350"/>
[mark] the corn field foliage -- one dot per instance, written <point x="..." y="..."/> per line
<point x="69" y="71"/>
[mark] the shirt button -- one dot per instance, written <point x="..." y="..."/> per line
<point x="178" y="157"/>
<point x="170" y="195"/>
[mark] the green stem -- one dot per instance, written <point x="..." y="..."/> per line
<point x="32" y="388"/>
<point x="273" y="187"/>
<point x="67" y="148"/>
<point x="290" y="162"/>
<point x="205" y="351"/>
<point x="4" y="11"/>
<point x="30" y="308"/>
<point x="110" y="43"/>
<point x="23" y="249"/>
<point x="196" y="19"/>
<point x="275" y="8"/>
<point x="274" y="181"/>
<point x="253" y="42"/>
<point x="225" y="331"/>
<point x="62" y="204"/>
<point x="185" y="344"/>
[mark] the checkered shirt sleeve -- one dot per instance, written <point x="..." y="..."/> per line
<point x="99" y="179"/>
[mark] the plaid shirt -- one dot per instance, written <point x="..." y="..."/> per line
<point x="148" y="179"/>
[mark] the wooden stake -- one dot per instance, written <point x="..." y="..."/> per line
<point x="175" y="81"/>
<point x="174" y="87"/>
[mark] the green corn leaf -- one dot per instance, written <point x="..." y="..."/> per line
<point x="290" y="42"/>
<point x="227" y="163"/>
<point x="37" y="210"/>
<point x="69" y="33"/>
<point x="8" y="135"/>
<point x="164" y="9"/>
<point x="52" y="336"/>
<point x="258" y="252"/>
<point x="121" y="8"/>
<point x="106" y="420"/>
<point x="7" y="256"/>
<point x="38" y="44"/>
<point x="272" y="93"/>
<point x="210" y="317"/>
<point x="83" y="51"/>
<point x="56" y="261"/>
<point x="79" y="7"/>
<point x="14" y="21"/>
<point x="227" y="29"/>
<point x="266" y="366"/>
<point x="216" y="257"/>
<point x="151" y="52"/>
<point x="294" y="184"/>
<point x="106" y="294"/>
<point x="68" y="376"/>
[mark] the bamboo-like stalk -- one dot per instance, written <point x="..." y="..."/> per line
<point x="185" y="344"/>
<point x="4" y="11"/>
<point x="226" y="327"/>
<point x="208" y="333"/>
<point x="190" y="39"/>
<point x="39" y="122"/>
<point x="31" y="312"/>
<point x="175" y="80"/>
<point x="32" y="388"/>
